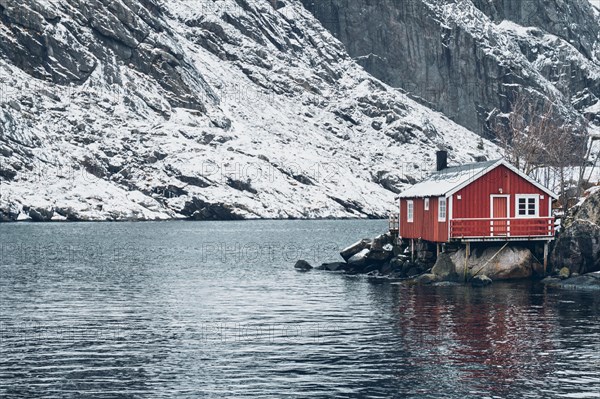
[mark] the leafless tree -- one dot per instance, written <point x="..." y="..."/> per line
<point x="566" y="151"/>
<point x="538" y="139"/>
<point x="524" y="137"/>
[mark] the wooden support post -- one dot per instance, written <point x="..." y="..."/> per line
<point x="546" y="257"/>
<point x="412" y="250"/>
<point x="467" y="253"/>
<point x="437" y="250"/>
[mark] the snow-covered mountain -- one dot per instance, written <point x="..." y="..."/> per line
<point x="468" y="58"/>
<point x="139" y="109"/>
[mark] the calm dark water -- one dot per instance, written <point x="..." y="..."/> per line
<point x="186" y="310"/>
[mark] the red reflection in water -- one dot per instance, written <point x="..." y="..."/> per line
<point x="487" y="339"/>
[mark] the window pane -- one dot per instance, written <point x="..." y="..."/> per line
<point x="527" y="205"/>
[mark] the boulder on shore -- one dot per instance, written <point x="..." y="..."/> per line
<point x="578" y="248"/>
<point x="587" y="281"/>
<point x="481" y="281"/>
<point x="513" y="262"/>
<point x="427" y="279"/>
<point x="564" y="273"/>
<point x="302" y="265"/>
<point x="371" y="268"/>
<point x="355" y="248"/>
<point x="382" y="241"/>
<point x="384" y="254"/>
<point x="578" y="244"/>
<point x="386" y="268"/>
<point x="333" y="266"/>
<point x="359" y="259"/>
<point x="444" y="268"/>
<point x="551" y="281"/>
<point x="397" y="262"/>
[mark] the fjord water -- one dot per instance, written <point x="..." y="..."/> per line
<point x="215" y="309"/>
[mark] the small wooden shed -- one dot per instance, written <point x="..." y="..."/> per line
<point x="483" y="201"/>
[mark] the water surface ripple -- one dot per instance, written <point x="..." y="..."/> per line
<point x="215" y="309"/>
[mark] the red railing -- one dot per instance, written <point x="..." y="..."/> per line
<point x="503" y="227"/>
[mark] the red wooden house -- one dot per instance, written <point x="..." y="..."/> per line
<point x="483" y="201"/>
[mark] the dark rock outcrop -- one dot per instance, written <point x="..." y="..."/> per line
<point x="588" y="210"/>
<point x="481" y="281"/>
<point x="197" y="209"/>
<point x="41" y="214"/>
<point x="355" y="248"/>
<point x="427" y="279"/>
<point x="99" y="31"/>
<point x="70" y="214"/>
<point x="451" y="54"/>
<point x="303" y="265"/>
<point x="564" y="273"/>
<point x="578" y="248"/>
<point x="9" y="213"/>
<point x="360" y="259"/>
<point x="568" y="20"/>
<point x="586" y="281"/>
<point x="578" y="244"/>
<point x="333" y="266"/>
<point x="381" y="249"/>
<point x="444" y="268"/>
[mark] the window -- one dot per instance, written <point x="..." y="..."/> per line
<point x="442" y="209"/>
<point x="410" y="211"/>
<point x="426" y="205"/>
<point x="527" y="206"/>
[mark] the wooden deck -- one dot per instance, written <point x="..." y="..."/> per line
<point x="503" y="229"/>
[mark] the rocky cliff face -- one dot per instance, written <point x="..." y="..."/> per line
<point x="139" y="109"/>
<point x="578" y="244"/>
<point x="468" y="58"/>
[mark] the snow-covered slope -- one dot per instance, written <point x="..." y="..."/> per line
<point x="134" y="109"/>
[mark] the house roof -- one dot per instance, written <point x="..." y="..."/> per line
<point x="450" y="180"/>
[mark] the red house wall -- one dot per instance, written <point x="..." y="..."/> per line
<point x="475" y="202"/>
<point x="425" y="224"/>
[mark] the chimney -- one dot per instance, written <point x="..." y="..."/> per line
<point x="442" y="160"/>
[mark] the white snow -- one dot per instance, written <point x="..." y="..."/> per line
<point x="287" y="139"/>
<point x="442" y="182"/>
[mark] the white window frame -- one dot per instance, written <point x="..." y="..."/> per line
<point x="526" y="197"/>
<point x="410" y="211"/>
<point x="442" y="200"/>
<point x="426" y="204"/>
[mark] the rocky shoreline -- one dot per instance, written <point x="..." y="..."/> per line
<point x="207" y="212"/>
<point x="574" y="281"/>
<point x="389" y="257"/>
<point x="386" y="257"/>
<point x="574" y="260"/>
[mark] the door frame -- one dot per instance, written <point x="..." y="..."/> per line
<point x="507" y="196"/>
